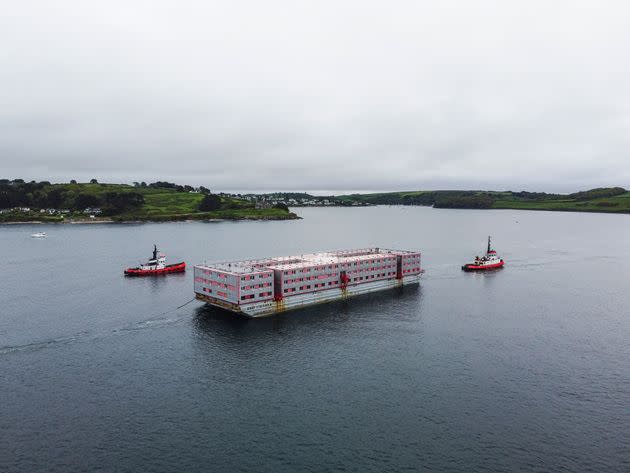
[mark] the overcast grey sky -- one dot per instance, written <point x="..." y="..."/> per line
<point x="321" y="95"/>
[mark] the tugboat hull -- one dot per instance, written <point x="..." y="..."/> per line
<point x="170" y="268"/>
<point x="483" y="267"/>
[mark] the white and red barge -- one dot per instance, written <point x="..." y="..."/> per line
<point x="268" y="286"/>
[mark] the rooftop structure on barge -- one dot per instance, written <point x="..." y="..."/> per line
<point x="267" y="286"/>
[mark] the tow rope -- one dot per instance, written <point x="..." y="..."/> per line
<point x="178" y="307"/>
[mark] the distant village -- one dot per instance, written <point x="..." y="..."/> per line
<point x="263" y="201"/>
<point x="89" y="211"/>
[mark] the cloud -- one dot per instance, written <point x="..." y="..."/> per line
<point x="317" y="95"/>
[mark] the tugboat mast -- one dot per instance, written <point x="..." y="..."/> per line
<point x="155" y="251"/>
<point x="488" y="244"/>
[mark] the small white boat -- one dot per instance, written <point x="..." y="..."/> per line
<point x="38" y="235"/>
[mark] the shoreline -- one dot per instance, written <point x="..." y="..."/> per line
<point x="186" y="220"/>
<point x="291" y="216"/>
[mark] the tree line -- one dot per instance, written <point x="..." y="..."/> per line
<point x="44" y="195"/>
<point x="171" y="185"/>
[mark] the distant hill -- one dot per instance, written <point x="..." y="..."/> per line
<point x="161" y="201"/>
<point x="605" y="199"/>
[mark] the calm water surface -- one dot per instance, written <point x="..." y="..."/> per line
<point x="524" y="369"/>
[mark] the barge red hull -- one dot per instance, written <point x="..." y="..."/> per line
<point x="171" y="268"/>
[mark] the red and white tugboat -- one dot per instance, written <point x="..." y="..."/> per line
<point x="156" y="266"/>
<point x="490" y="261"/>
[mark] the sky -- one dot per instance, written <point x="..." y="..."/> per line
<point x="319" y="95"/>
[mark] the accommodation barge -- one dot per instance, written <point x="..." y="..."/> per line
<point x="261" y="287"/>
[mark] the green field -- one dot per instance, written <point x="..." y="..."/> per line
<point x="158" y="204"/>
<point x="614" y="204"/>
<point x="609" y="200"/>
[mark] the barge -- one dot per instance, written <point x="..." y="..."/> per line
<point x="261" y="287"/>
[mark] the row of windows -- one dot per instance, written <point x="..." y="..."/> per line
<point x="251" y="296"/>
<point x="254" y="276"/>
<point x="374" y="276"/>
<point x="334" y="275"/>
<point x="376" y="268"/>
<point x="310" y="278"/>
<point x="337" y="266"/>
<point x="415" y="259"/>
<point x="229" y="287"/>
<point x="213" y="275"/>
<point x="334" y="283"/>
<point x="219" y="293"/>
<point x="256" y="286"/>
<point x="308" y="286"/>
<point x="382" y="268"/>
<point x="216" y="283"/>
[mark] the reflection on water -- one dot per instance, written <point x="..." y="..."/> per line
<point x="219" y="324"/>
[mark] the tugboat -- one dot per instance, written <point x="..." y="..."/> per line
<point x="490" y="261"/>
<point x="156" y="266"/>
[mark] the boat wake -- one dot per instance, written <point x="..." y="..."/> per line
<point x="40" y="345"/>
<point x="155" y="321"/>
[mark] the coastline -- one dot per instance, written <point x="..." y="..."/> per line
<point x="72" y="222"/>
<point x="291" y="216"/>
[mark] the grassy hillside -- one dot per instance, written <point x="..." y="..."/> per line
<point x="615" y="204"/>
<point x="119" y="202"/>
<point x="614" y="199"/>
